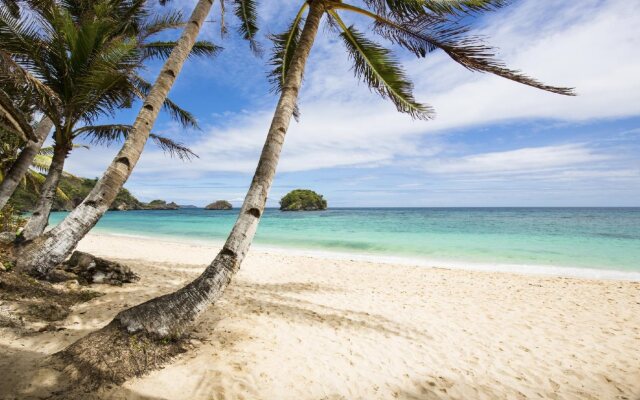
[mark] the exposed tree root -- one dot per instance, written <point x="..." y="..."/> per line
<point x="112" y="355"/>
<point x="38" y="301"/>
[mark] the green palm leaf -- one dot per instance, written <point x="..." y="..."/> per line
<point x="41" y="163"/>
<point x="161" y="50"/>
<point x="173" y="148"/>
<point x="412" y="8"/>
<point x="381" y="72"/>
<point x="159" y="23"/>
<point x="425" y="33"/>
<point x="12" y="7"/>
<point x="107" y="134"/>
<point x="246" y="11"/>
<point x="184" y="117"/>
<point x="15" y="117"/>
<point x="284" y="45"/>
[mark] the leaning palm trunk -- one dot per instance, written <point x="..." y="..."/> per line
<point x="19" y="168"/>
<point x="42" y="254"/>
<point x="169" y="315"/>
<point x="40" y="216"/>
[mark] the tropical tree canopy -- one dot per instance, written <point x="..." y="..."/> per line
<point x="303" y="200"/>
<point x="80" y="60"/>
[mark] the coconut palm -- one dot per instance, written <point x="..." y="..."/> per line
<point x="16" y="114"/>
<point x="87" y="55"/>
<point x="33" y="179"/>
<point x="42" y="254"/>
<point x="418" y="26"/>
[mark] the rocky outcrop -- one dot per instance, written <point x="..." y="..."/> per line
<point x="219" y="205"/>
<point x="160" y="205"/>
<point x="91" y="269"/>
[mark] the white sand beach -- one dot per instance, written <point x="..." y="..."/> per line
<point x="307" y="327"/>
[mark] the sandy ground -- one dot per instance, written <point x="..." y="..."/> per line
<point x="300" y="327"/>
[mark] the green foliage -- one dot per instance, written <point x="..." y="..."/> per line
<point x="246" y="11"/>
<point x="381" y="71"/>
<point x="418" y="26"/>
<point x="303" y="200"/>
<point x="78" y="61"/>
<point x="10" y="219"/>
<point x="76" y="190"/>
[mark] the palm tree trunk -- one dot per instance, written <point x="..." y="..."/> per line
<point x="41" y="255"/>
<point x="19" y="168"/>
<point x="40" y="216"/>
<point x="169" y="315"/>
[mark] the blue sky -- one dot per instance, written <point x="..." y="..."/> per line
<point x="493" y="142"/>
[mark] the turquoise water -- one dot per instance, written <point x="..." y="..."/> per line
<point x="599" y="238"/>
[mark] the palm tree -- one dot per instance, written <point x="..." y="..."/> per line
<point x="16" y="113"/>
<point x="87" y="54"/>
<point x="42" y="254"/>
<point x="33" y="179"/>
<point x="419" y="26"/>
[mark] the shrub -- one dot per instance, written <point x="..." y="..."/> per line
<point x="10" y="219"/>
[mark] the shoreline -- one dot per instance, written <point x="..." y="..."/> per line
<point x="519" y="269"/>
<point x="299" y="327"/>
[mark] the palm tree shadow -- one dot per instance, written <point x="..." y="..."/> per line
<point x="279" y="300"/>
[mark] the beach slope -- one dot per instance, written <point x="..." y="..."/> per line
<point x="303" y="327"/>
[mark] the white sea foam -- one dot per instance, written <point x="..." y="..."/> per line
<point x="545" y="270"/>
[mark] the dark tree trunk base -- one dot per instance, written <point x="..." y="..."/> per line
<point x="111" y="355"/>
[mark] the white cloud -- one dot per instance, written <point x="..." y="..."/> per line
<point x="591" y="45"/>
<point x="533" y="159"/>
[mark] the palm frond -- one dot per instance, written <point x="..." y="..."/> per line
<point x="423" y="35"/>
<point x="103" y="134"/>
<point x="12" y="7"/>
<point x="43" y="95"/>
<point x="16" y="117"/>
<point x="381" y="72"/>
<point x="173" y="148"/>
<point x="414" y="8"/>
<point x="62" y="195"/>
<point x="18" y="35"/>
<point x="284" y="45"/>
<point x="108" y="134"/>
<point x="162" y="22"/>
<point x="184" y="117"/>
<point x="162" y="50"/>
<point x="46" y="151"/>
<point x="426" y="33"/>
<point x="223" y="24"/>
<point x="41" y="163"/>
<point x="246" y="11"/>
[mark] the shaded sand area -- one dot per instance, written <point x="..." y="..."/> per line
<point x="299" y="327"/>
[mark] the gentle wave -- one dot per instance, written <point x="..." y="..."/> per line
<point x="591" y="238"/>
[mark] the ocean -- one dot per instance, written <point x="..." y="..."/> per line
<point x="577" y="238"/>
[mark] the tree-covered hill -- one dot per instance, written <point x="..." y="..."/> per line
<point x="76" y="189"/>
<point x="303" y="200"/>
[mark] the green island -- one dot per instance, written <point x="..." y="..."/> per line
<point x="219" y="205"/>
<point x="303" y="200"/>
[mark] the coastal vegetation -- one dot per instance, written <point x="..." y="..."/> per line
<point x="87" y="66"/>
<point x="75" y="89"/>
<point x="303" y="200"/>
